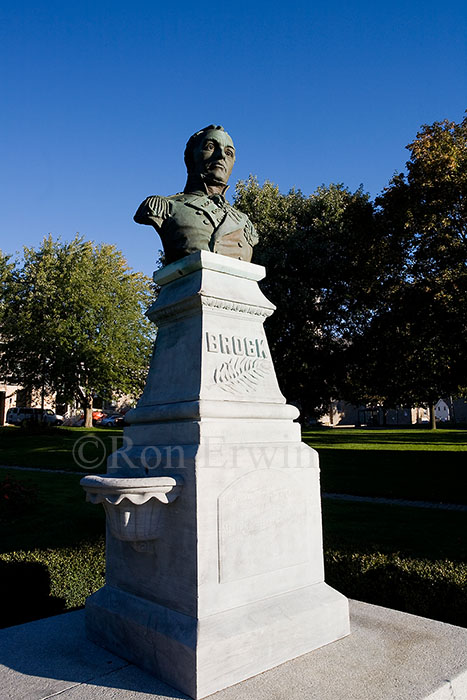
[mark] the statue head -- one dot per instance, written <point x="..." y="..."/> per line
<point x="210" y="156"/>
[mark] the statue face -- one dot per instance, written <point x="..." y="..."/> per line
<point x="214" y="157"/>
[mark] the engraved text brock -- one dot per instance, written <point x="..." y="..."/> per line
<point x="236" y="345"/>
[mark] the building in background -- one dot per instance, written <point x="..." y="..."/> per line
<point x="12" y="395"/>
<point x="343" y="414"/>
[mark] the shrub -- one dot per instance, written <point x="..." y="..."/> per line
<point x="434" y="589"/>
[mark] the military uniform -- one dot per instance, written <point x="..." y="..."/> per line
<point x="191" y="221"/>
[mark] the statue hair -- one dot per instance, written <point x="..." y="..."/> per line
<point x="193" y="142"/>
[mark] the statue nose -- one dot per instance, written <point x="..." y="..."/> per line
<point x="219" y="153"/>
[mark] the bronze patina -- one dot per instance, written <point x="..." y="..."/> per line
<point x="200" y="218"/>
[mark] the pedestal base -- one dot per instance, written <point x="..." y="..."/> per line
<point x="202" y="656"/>
<point x="231" y="581"/>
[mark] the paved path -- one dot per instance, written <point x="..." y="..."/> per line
<point x="389" y="655"/>
<point x="394" y="501"/>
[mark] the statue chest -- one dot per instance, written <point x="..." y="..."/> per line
<point x="190" y="228"/>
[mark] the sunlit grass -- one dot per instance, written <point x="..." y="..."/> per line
<point x="414" y="439"/>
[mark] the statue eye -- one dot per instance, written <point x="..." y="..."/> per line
<point x="229" y="152"/>
<point x="209" y="146"/>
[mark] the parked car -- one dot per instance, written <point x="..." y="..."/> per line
<point x="97" y="416"/>
<point x="115" y="420"/>
<point x="18" y="415"/>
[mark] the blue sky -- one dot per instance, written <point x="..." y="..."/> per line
<point x="98" y="99"/>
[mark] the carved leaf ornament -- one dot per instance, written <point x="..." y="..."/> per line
<point x="241" y="374"/>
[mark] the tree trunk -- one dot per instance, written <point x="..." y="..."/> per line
<point x="432" y="416"/>
<point x="88" y="412"/>
<point x="452" y="411"/>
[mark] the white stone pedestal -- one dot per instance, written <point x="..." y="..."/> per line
<point x="228" y="580"/>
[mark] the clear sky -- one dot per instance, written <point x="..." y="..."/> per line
<point x="99" y="97"/>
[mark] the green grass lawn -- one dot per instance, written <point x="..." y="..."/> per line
<point x="414" y="463"/>
<point x="53" y="449"/>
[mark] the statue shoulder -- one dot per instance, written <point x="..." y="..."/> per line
<point x="154" y="209"/>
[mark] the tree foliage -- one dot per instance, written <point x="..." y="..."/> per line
<point x="6" y="268"/>
<point x="73" y="322"/>
<point x="415" y="350"/>
<point x="326" y="263"/>
<point x="372" y="298"/>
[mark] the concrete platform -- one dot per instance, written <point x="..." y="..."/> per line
<point x="389" y="656"/>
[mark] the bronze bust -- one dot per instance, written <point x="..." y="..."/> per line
<point x="200" y="218"/>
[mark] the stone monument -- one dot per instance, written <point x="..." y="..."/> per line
<point x="214" y="546"/>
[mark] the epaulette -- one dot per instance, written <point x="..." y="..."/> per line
<point x="158" y="206"/>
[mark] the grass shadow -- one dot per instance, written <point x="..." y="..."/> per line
<point x="421" y="533"/>
<point x="409" y="474"/>
<point x="59" y="516"/>
<point x="53" y="448"/>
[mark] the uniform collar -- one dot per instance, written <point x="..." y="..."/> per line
<point x="199" y="187"/>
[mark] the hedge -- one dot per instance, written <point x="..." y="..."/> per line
<point x="434" y="589"/>
<point x="38" y="583"/>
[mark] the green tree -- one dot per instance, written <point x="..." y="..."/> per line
<point x="416" y="350"/>
<point x="74" y="323"/>
<point x="328" y="264"/>
<point x="408" y="354"/>
<point x="6" y="268"/>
